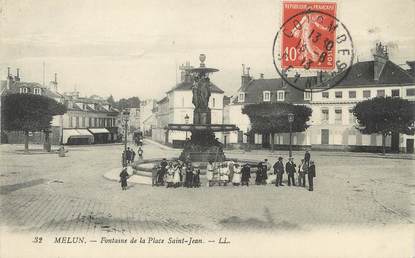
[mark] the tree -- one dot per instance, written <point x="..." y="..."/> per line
<point x="29" y="113"/>
<point x="385" y="116"/>
<point x="272" y="118"/>
<point x="133" y="102"/>
<point x="111" y="101"/>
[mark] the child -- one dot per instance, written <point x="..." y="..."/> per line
<point x="236" y="180"/>
<point x="123" y="178"/>
<point x="224" y="174"/>
<point x="209" y="172"/>
<point x="176" y="175"/>
<point x="140" y="153"/>
<point x="196" y="177"/>
<point x="170" y="174"/>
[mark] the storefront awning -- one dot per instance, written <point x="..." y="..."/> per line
<point x="98" y="130"/>
<point x="76" y="133"/>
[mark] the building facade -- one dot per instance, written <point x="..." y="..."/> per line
<point x="332" y="124"/>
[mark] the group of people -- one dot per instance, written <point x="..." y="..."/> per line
<point x="306" y="167"/>
<point x="224" y="173"/>
<point x="176" y="174"/>
<point x="128" y="156"/>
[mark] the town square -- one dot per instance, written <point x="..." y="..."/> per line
<point x="208" y="131"/>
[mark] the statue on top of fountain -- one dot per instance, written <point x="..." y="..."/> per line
<point x="201" y="95"/>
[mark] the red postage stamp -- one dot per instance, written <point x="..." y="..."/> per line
<point x="308" y="35"/>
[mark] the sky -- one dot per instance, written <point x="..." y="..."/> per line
<point x="133" y="47"/>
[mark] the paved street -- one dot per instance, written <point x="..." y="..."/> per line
<point x="42" y="193"/>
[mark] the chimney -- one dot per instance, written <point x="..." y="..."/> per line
<point x="380" y="58"/>
<point x="245" y="78"/>
<point x="53" y="85"/>
<point x="17" y="77"/>
<point x="9" y="79"/>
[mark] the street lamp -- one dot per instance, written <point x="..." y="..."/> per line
<point x="125" y="117"/>
<point x="186" y="120"/>
<point x="290" y="121"/>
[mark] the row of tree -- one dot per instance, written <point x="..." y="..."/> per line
<point x="132" y="102"/>
<point x="380" y="115"/>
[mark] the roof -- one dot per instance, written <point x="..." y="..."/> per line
<point x="362" y="74"/>
<point x="255" y="88"/>
<point x="183" y="86"/>
<point x="16" y="85"/>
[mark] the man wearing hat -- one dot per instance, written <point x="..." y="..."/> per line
<point x="246" y="174"/>
<point x="279" y="171"/>
<point x="311" y="174"/>
<point x="290" y="169"/>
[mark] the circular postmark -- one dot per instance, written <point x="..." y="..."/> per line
<point x="313" y="51"/>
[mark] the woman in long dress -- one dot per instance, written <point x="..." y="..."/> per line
<point x="123" y="178"/>
<point x="176" y="175"/>
<point x="236" y="180"/>
<point x="209" y="172"/>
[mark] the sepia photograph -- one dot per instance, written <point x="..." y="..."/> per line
<point x="167" y="128"/>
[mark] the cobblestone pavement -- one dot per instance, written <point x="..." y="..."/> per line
<point x="42" y="193"/>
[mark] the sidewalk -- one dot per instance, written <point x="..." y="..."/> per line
<point x="162" y="146"/>
<point x="114" y="175"/>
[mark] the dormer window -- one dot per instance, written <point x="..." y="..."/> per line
<point x="280" y="95"/>
<point x="37" y="91"/>
<point x="241" y="97"/>
<point x="266" y="95"/>
<point x="23" y="90"/>
<point x="307" y="95"/>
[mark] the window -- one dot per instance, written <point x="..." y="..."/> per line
<point x="76" y="121"/>
<point x="89" y="122"/>
<point x="352" y="94"/>
<point x="266" y="96"/>
<point x="366" y="94"/>
<point x="395" y="93"/>
<point x="23" y="90"/>
<point x="325" y="115"/>
<point x="213" y="102"/>
<point x="338" y="94"/>
<point x="325" y="95"/>
<point x="83" y="122"/>
<point x="337" y="116"/>
<point x="37" y="91"/>
<point x="95" y="122"/>
<point x="70" y="122"/>
<point x="410" y="92"/>
<point x="380" y="93"/>
<point x="307" y="95"/>
<point x="241" y="97"/>
<point x="280" y="95"/>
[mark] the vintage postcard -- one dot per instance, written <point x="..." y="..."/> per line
<point x="167" y="128"/>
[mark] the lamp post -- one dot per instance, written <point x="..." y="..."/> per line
<point x="125" y="117"/>
<point x="290" y="121"/>
<point x="186" y="120"/>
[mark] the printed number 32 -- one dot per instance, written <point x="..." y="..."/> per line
<point x="37" y="240"/>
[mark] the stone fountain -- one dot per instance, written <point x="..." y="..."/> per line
<point x="202" y="145"/>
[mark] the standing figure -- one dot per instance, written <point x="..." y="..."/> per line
<point x="140" y="153"/>
<point x="307" y="157"/>
<point x="290" y="170"/>
<point x="231" y="167"/>
<point x="170" y="175"/>
<point x="154" y="174"/>
<point x="132" y="155"/>
<point x="163" y="171"/>
<point x="302" y="170"/>
<point x="311" y="175"/>
<point x="258" y="178"/>
<point x="123" y="178"/>
<point x="236" y="180"/>
<point x="210" y="169"/>
<point x="196" y="177"/>
<point x="128" y="155"/>
<point x="246" y="175"/>
<point x="224" y="174"/>
<point x="279" y="171"/>
<point x="176" y="175"/>
<point x="189" y="175"/>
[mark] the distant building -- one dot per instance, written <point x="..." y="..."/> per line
<point x="147" y="116"/>
<point x="14" y="85"/>
<point x="88" y="120"/>
<point x="177" y="104"/>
